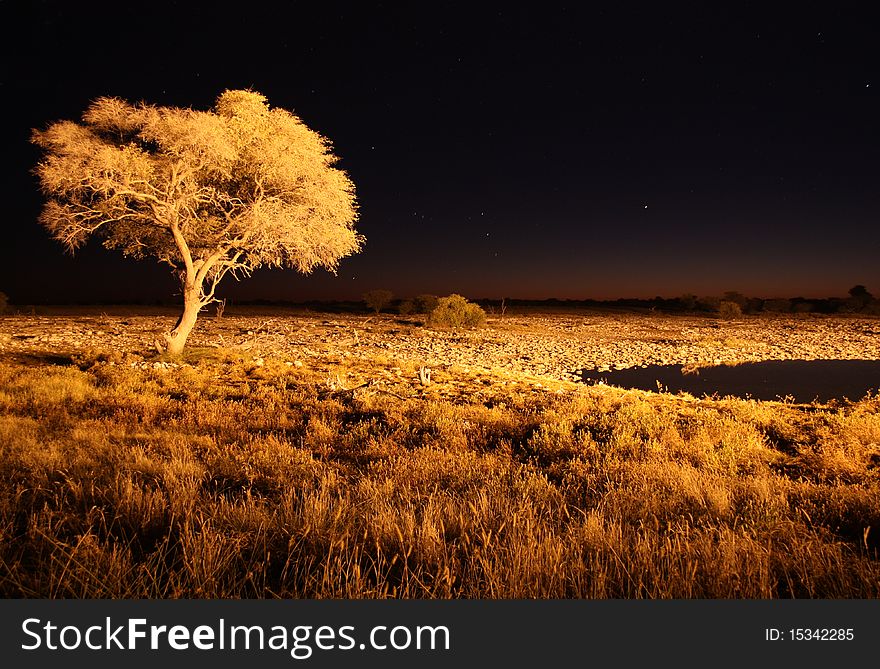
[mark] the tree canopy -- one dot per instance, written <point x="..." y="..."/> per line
<point x="207" y="192"/>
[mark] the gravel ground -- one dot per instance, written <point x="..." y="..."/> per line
<point x="557" y="346"/>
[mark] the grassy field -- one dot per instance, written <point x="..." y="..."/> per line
<point x="236" y="477"/>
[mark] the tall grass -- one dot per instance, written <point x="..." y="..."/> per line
<point x="223" y="480"/>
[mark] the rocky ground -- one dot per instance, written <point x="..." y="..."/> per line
<point x="555" y="346"/>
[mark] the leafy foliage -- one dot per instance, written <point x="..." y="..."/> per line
<point x="729" y="310"/>
<point x="455" y="311"/>
<point x="425" y="303"/>
<point x="688" y="301"/>
<point x="777" y="305"/>
<point x="860" y="297"/>
<point x="378" y="299"/>
<point x="207" y="192"/>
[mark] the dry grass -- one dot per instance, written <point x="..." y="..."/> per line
<point x="228" y="478"/>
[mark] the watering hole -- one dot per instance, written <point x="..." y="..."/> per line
<point x="802" y="380"/>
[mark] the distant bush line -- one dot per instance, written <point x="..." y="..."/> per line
<point x="711" y="304"/>
<point x="858" y="303"/>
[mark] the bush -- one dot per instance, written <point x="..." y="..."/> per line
<point x="406" y="307"/>
<point x="736" y="298"/>
<point x="753" y="305"/>
<point x="872" y="308"/>
<point x="455" y="311"/>
<point x="4" y="303"/>
<point x="425" y="304"/>
<point x="728" y="310"/>
<point x="688" y="302"/>
<point x="778" y="305"/>
<point x="378" y="299"/>
<point x="709" y="303"/>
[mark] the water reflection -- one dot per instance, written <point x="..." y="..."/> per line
<point x="802" y="380"/>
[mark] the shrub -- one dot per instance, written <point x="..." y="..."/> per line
<point x="455" y="311"/>
<point x="425" y="304"/>
<point x="688" y="302"/>
<point x="872" y="308"/>
<point x="728" y="310"/>
<point x="753" y="305"/>
<point x="406" y="307"/>
<point x="709" y="303"/>
<point x="378" y="299"/>
<point x="735" y="297"/>
<point x="778" y="305"/>
<point x="4" y="303"/>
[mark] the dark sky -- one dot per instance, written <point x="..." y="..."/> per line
<point x="562" y="150"/>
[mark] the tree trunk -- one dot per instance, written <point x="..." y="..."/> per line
<point x="192" y="304"/>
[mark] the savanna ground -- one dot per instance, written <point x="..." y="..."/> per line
<point x="300" y="455"/>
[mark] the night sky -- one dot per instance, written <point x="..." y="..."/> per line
<point x="568" y="151"/>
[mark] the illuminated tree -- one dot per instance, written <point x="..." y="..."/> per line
<point x="455" y="311"/>
<point x="209" y="193"/>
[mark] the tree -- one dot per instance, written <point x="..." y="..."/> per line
<point x="860" y="297"/>
<point x="208" y="193"/>
<point x="378" y="299"/>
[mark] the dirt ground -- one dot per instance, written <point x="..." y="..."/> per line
<point x="549" y="345"/>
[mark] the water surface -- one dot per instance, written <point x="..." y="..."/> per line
<point x="801" y="380"/>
